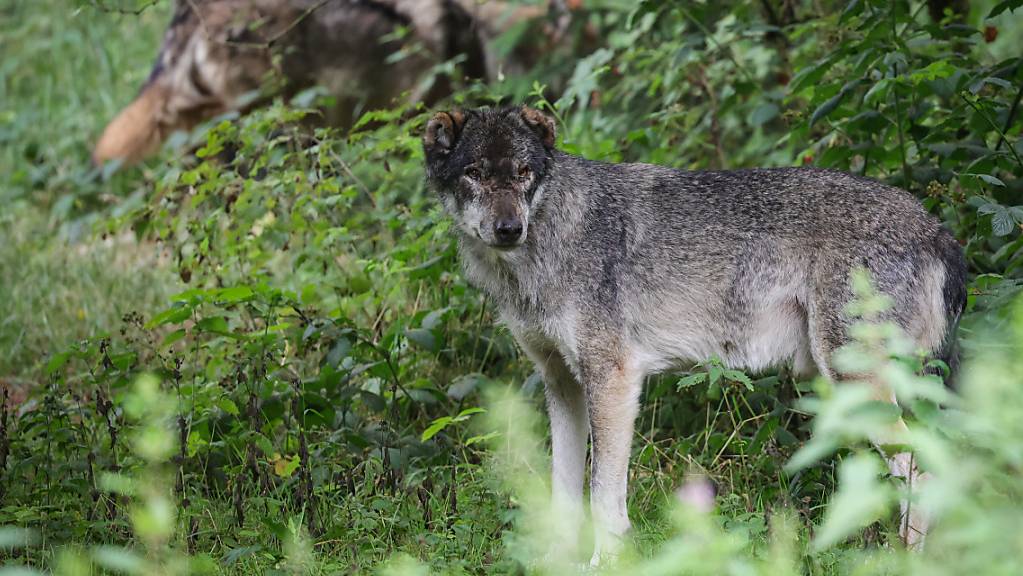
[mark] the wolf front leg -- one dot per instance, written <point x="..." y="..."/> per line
<point x="570" y="428"/>
<point x="612" y="396"/>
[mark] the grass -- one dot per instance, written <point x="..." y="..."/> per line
<point x="66" y="71"/>
<point x="58" y="292"/>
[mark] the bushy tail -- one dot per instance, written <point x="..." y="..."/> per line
<point x="950" y="254"/>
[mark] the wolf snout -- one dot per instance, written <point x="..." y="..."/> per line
<point x="507" y="231"/>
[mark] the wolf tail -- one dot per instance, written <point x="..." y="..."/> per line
<point x="949" y="254"/>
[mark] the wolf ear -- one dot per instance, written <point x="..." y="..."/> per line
<point x="542" y="124"/>
<point x="442" y="131"/>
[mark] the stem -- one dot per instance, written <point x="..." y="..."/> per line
<point x="898" y="130"/>
<point x="1010" y="118"/>
<point x="991" y="123"/>
<point x="710" y="38"/>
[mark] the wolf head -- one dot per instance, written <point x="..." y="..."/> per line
<point x="213" y="53"/>
<point x="489" y="167"/>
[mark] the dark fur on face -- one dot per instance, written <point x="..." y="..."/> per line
<point x="488" y="165"/>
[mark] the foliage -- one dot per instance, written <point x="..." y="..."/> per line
<point x="322" y="362"/>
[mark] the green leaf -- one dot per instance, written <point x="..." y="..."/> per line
<point x="810" y="75"/>
<point x="862" y="498"/>
<point x="740" y="377"/>
<point x="714" y="373"/>
<point x="831" y="103"/>
<point x="482" y="438"/>
<point x="235" y="294"/>
<point x="57" y="362"/>
<point x="235" y="554"/>
<point x="691" y="380"/>
<point x="989" y="208"/>
<point x="762" y="435"/>
<point x="338" y="352"/>
<point x="1009" y="5"/>
<point x="878" y="92"/>
<point x="118" y="560"/>
<point x="810" y="453"/>
<point x="173" y="337"/>
<point x="827" y="107"/>
<point x="1009" y="249"/>
<point x="437" y="425"/>
<point x="263" y="443"/>
<point x="978" y="85"/>
<point x="1003" y="219"/>
<point x="422" y="338"/>
<point x="851" y="9"/>
<point x="584" y="79"/>
<point x="465" y="385"/>
<point x="1002" y="223"/>
<point x="176" y="314"/>
<point x="933" y="71"/>
<point x="764" y="114"/>
<point x="988" y="178"/>
<point x="215" y="324"/>
<point x="123" y="361"/>
<point x="228" y="406"/>
<point x="433" y="320"/>
<point x="464" y="414"/>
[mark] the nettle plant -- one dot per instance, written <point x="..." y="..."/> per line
<point x="321" y="259"/>
<point x="321" y="334"/>
<point x="962" y="438"/>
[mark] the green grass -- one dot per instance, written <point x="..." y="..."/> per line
<point x="57" y="292"/>
<point x="67" y="69"/>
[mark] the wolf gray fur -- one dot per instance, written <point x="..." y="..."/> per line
<point x="606" y="273"/>
<point x="217" y="53"/>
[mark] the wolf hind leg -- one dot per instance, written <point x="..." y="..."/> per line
<point x="828" y="330"/>
<point x="612" y="394"/>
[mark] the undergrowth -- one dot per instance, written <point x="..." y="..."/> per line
<point x="268" y="361"/>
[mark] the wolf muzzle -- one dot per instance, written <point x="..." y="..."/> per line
<point x="507" y="231"/>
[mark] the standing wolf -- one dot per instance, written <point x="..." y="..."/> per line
<point x="608" y="272"/>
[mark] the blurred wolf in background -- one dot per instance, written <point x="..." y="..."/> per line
<point x="606" y="273"/>
<point x="217" y="54"/>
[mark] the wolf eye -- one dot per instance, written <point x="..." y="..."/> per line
<point x="524" y="171"/>
<point x="473" y="173"/>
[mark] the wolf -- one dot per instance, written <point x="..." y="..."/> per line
<point x="605" y="273"/>
<point x="217" y="54"/>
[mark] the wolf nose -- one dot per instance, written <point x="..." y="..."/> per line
<point x="508" y="231"/>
